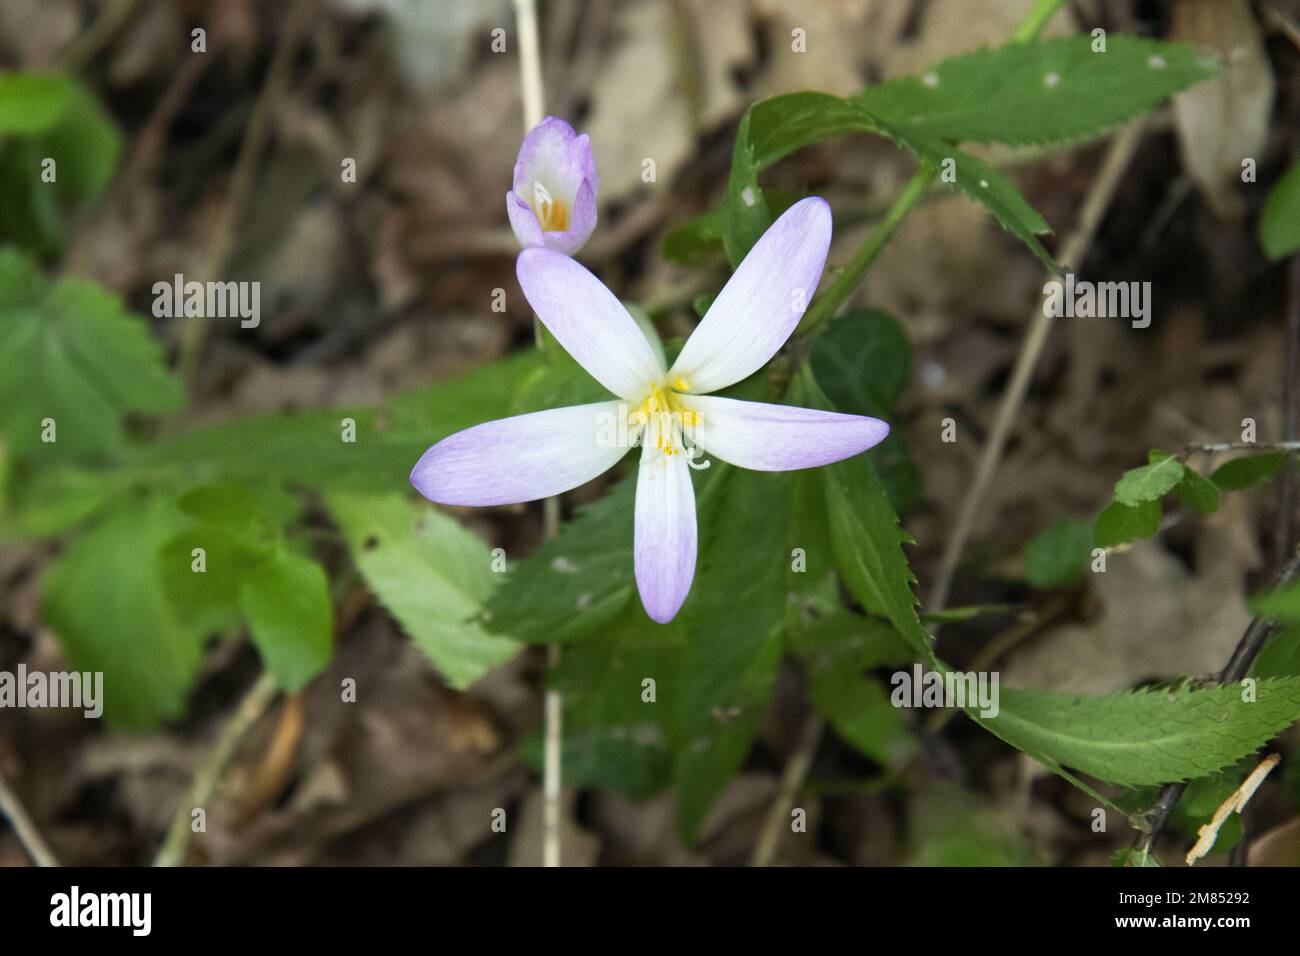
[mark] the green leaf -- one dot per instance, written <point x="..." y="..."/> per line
<point x="72" y="353"/>
<point x="1198" y="492"/>
<point x="867" y="538"/>
<point x="433" y="576"/>
<point x="286" y="600"/>
<point x="86" y="146"/>
<point x="868" y="544"/>
<point x="1147" y="736"/>
<point x="718" y="685"/>
<point x="1241" y="473"/>
<point x="1280" y="657"/>
<point x="574" y="585"/>
<point x="775" y="127"/>
<point x="31" y="103"/>
<point x="1038" y="92"/>
<point x="695" y="242"/>
<point x="60" y="149"/>
<point x="207" y="599"/>
<point x="1279" y="223"/>
<point x="253" y="514"/>
<point x="1150" y="482"/>
<point x="103" y="600"/>
<point x="1121" y="523"/>
<point x="1059" y="556"/>
<point x="863" y="362"/>
<point x="745" y="213"/>
<point x="49" y="501"/>
<point x="1283" y="603"/>
<point x="305" y="448"/>
<point x="836" y="651"/>
<point x="613" y="736"/>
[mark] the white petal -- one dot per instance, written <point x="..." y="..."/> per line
<point x="766" y="437"/>
<point x="589" y="322"/>
<point x="521" y="458"/>
<point x="761" y="304"/>
<point x="665" y="535"/>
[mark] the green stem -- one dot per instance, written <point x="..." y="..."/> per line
<point x="1033" y="24"/>
<point x="825" y="305"/>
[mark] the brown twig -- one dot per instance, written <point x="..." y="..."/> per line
<point x="1072" y="253"/>
<point x="791" y="781"/>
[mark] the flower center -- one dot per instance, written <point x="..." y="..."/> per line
<point x="551" y="212"/>
<point x="669" y="425"/>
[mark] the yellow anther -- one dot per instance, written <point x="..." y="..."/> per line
<point x="681" y="385"/>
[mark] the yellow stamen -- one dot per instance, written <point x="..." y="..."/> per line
<point x="665" y="417"/>
<point x="551" y="212"/>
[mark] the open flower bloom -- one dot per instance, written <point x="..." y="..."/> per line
<point x="666" y="412"/>
<point x="553" y="203"/>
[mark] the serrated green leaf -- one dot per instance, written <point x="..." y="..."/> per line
<point x="1150" y="482"/>
<point x="1146" y="736"/>
<point x="868" y="544"/>
<point x="1198" y="492"/>
<point x="103" y="600"/>
<point x="775" y="127"/>
<point x="306" y="448"/>
<point x="72" y="353"/>
<point x="576" y="583"/>
<point x="985" y="185"/>
<point x="1059" y="555"/>
<point x="1279" y="223"/>
<point x="1120" y="523"/>
<point x="285" y="598"/>
<point x="1241" y="473"/>
<point x="433" y="576"/>
<point x="1038" y="92"/>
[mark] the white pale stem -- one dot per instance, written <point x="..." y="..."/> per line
<point x="530" y="78"/>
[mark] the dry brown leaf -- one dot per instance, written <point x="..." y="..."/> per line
<point x="1224" y="120"/>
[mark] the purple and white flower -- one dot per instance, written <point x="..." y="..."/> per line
<point x="667" y="411"/>
<point x="553" y="204"/>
